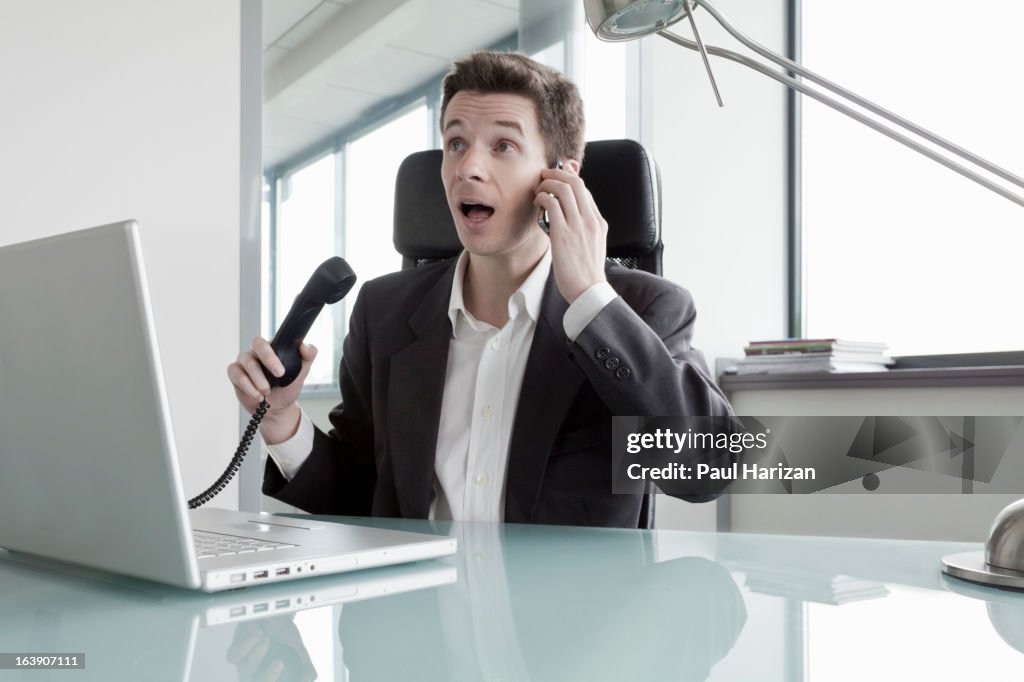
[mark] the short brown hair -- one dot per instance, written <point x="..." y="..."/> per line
<point x="556" y="98"/>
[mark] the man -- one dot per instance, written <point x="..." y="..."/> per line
<point x="483" y="388"/>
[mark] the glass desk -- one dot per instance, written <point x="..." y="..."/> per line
<point x="522" y="603"/>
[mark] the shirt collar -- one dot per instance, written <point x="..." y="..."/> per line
<point x="526" y="298"/>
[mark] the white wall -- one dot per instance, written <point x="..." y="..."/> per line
<point x="724" y="185"/>
<point x="724" y="179"/>
<point x="118" y="109"/>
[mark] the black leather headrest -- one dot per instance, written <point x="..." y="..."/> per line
<point x="620" y="174"/>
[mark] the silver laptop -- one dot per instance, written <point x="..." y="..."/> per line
<point x="88" y="468"/>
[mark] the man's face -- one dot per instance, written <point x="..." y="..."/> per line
<point x="493" y="156"/>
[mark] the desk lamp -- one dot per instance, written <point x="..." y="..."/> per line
<point x="1002" y="563"/>
<point x="621" y="20"/>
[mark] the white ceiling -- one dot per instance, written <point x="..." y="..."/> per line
<point x="326" y="62"/>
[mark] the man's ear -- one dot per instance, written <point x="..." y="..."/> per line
<point x="572" y="165"/>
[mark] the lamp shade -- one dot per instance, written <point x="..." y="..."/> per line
<point x="617" y="20"/>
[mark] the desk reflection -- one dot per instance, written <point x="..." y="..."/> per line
<point x="516" y="603"/>
<point x="575" y="606"/>
<point x="134" y="629"/>
<point x="536" y="603"/>
<point x="1005" y="608"/>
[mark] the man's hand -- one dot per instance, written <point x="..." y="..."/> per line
<point x="251" y="387"/>
<point x="578" y="232"/>
<point x="270" y="650"/>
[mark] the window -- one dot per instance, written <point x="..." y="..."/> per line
<point x="600" y="74"/>
<point x="897" y="248"/>
<point x="604" y="87"/>
<point x="373" y="160"/>
<point x="305" y="238"/>
<point x="325" y="210"/>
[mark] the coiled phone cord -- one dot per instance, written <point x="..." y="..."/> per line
<point x="236" y="460"/>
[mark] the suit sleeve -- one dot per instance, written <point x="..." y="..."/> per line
<point x="641" y="362"/>
<point x="339" y="475"/>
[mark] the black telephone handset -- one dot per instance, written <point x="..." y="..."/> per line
<point x="542" y="219"/>
<point x="329" y="284"/>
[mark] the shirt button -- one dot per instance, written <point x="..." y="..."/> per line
<point x="480" y="480"/>
<point x="611" y="363"/>
<point x="495" y="345"/>
<point x="286" y="463"/>
<point x="622" y="373"/>
<point x="487" y="412"/>
<point x="602" y="353"/>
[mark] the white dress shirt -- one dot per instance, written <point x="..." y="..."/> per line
<point x="481" y="391"/>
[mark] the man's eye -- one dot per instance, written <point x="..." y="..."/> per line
<point x="504" y="147"/>
<point x="455" y="145"/>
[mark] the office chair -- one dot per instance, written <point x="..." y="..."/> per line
<point x="622" y="177"/>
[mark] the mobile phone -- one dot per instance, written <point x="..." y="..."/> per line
<point x="542" y="219"/>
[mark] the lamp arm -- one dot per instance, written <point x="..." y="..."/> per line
<point x="796" y="68"/>
<point x="869" y="122"/>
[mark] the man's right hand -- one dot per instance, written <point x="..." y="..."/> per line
<point x="251" y="387"/>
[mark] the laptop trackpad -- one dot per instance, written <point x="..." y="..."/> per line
<point x="267" y="526"/>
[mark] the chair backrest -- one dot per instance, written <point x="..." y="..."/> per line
<point x="620" y="174"/>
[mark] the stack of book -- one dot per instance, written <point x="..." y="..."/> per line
<point x="813" y="355"/>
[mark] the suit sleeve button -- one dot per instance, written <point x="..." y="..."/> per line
<point x="603" y="353"/>
<point x="622" y="373"/>
<point x="611" y="363"/>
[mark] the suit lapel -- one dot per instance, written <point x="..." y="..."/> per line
<point x="550" y="383"/>
<point x="415" y="391"/>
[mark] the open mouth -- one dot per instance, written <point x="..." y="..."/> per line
<point x="476" y="212"/>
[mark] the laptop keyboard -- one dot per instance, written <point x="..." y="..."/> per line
<point x="209" y="544"/>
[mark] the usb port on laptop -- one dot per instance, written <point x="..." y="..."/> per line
<point x="260" y="574"/>
<point x="282" y="571"/>
<point x="260" y="608"/>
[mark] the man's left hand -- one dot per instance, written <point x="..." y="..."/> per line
<point x="578" y="232"/>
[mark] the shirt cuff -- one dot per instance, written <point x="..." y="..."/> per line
<point x="586" y="307"/>
<point x="290" y="454"/>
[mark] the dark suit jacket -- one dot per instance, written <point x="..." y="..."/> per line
<point x="634" y="358"/>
